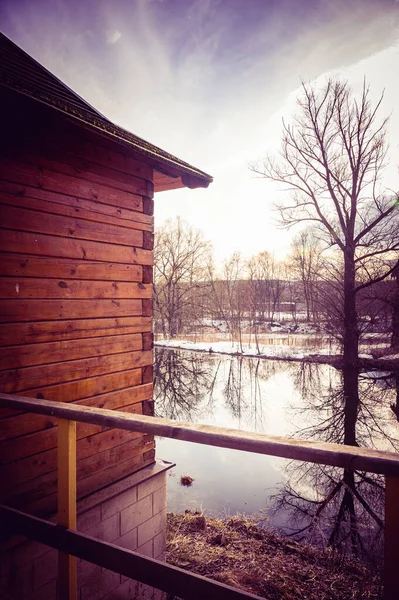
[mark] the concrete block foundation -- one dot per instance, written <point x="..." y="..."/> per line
<point x="130" y="513"/>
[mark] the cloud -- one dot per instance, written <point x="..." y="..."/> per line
<point x="209" y="80"/>
<point x="112" y="36"/>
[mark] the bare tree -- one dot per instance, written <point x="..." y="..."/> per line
<point x="306" y="266"/>
<point x="331" y="161"/>
<point x="266" y="277"/>
<point x="234" y="282"/>
<point x="395" y="310"/>
<point x="181" y="258"/>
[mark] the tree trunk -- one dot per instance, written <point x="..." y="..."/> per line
<point x="351" y="333"/>
<point x="395" y="316"/>
<point x="350" y="351"/>
<point x="351" y="403"/>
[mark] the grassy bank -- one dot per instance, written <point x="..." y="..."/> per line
<point x="237" y="552"/>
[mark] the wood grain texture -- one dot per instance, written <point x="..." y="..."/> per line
<point x="88" y="390"/>
<point x="47" y="331"/>
<point x="45" y="505"/>
<point x="53" y="352"/>
<point x="42" y="310"/>
<point x="82" y="143"/>
<point x="75" y="213"/>
<point x="96" y="209"/>
<point x="66" y="454"/>
<point x="43" y="485"/>
<point x="58" y="161"/>
<point x="43" y="288"/>
<point x="14" y="265"/>
<point x="337" y="455"/>
<point x="93" y="442"/>
<point x="71" y="209"/>
<point x="13" y="380"/>
<point x="131" y="399"/>
<point x="85" y="187"/>
<point x="24" y="219"/>
<point x="37" y="244"/>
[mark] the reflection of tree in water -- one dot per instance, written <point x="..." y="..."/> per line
<point x="389" y="382"/>
<point x="243" y="391"/>
<point x="182" y="382"/>
<point x="336" y="507"/>
<point x="185" y="383"/>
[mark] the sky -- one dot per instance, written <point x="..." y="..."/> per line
<point x="210" y="81"/>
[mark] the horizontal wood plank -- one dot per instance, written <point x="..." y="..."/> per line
<point x="72" y="208"/>
<point x="14" y="357"/>
<point x="41" y="310"/>
<point x="92" y="187"/>
<point x="34" y="288"/>
<point x="88" y="389"/>
<point x="95" y="206"/>
<point x="89" y="146"/>
<point x="23" y="219"/>
<point x="32" y="490"/>
<point x="59" y="161"/>
<point x="105" y="155"/>
<point x="46" y="331"/>
<point x="347" y="457"/>
<point x="129" y="400"/>
<point x="47" y="504"/>
<point x="81" y="389"/>
<point x="93" y="442"/>
<point x="15" y="265"/>
<point x="22" y="242"/>
<point x="183" y="584"/>
<point x="33" y="377"/>
<point x="15" y="426"/>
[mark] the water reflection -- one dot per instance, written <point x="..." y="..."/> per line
<point x="336" y="507"/>
<point x="182" y="383"/>
<point x="331" y="506"/>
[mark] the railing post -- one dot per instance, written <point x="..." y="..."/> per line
<point x="391" y="544"/>
<point x="67" y="505"/>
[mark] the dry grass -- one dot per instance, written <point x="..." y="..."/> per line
<point x="237" y="552"/>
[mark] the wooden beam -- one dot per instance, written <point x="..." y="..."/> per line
<point x="336" y="455"/>
<point x="391" y="533"/>
<point x="67" y="580"/>
<point x="146" y="570"/>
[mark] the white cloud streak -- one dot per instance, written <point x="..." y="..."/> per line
<point x="210" y="85"/>
<point x="112" y="36"/>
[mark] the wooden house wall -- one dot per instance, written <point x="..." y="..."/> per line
<point x="76" y="218"/>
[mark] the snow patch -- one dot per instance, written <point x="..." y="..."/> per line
<point x="233" y="348"/>
<point x="391" y="357"/>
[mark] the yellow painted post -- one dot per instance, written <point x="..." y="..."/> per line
<point x="391" y="546"/>
<point x="67" y="505"/>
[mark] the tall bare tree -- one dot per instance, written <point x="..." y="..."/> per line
<point x="267" y="283"/>
<point x="306" y="266"/>
<point x="181" y="258"/>
<point x="331" y="160"/>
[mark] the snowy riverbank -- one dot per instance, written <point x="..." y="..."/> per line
<point x="329" y="355"/>
<point x="278" y="352"/>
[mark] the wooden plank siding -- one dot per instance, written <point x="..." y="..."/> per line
<point x="76" y="245"/>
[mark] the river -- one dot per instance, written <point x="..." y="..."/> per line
<point x="280" y="398"/>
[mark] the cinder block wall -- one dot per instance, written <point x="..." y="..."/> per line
<point x="132" y="515"/>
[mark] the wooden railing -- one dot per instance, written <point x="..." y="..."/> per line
<point x="166" y="577"/>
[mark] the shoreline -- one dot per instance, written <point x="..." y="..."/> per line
<point x="334" y="360"/>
